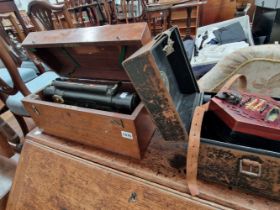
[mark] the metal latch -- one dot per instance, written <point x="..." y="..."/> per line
<point x="117" y="122"/>
<point x="168" y="48"/>
<point x="58" y="99"/>
<point x="250" y="167"/>
<point x="133" y="197"/>
<point x="35" y="110"/>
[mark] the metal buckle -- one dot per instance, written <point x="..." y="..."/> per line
<point x="35" y="110"/>
<point x="250" y="167"/>
<point x="168" y="48"/>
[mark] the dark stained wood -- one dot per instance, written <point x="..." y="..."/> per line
<point x="94" y="127"/>
<point x="13" y="71"/>
<point x="219" y="10"/>
<point x="92" y="9"/>
<point x="216" y="11"/>
<point x="19" y="86"/>
<point x="187" y="17"/>
<point x="158" y="18"/>
<point x="42" y="13"/>
<point x="163" y="164"/>
<point x="9" y="17"/>
<point x="126" y="11"/>
<point x="3" y="202"/>
<point x="18" y="53"/>
<point x="57" y="180"/>
<point x="5" y="149"/>
<point x="95" y="52"/>
<point x="183" y="14"/>
<point x="134" y="34"/>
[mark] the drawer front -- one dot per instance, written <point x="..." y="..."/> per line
<point x="48" y="179"/>
<point x="236" y="168"/>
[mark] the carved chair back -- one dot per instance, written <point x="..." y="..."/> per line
<point x="45" y="16"/>
<point x="14" y="47"/>
<point x="88" y="12"/>
<point x="11" y="66"/>
<point x="129" y="10"/>
<point x="12" y="38"/>
<point x="18" y="84"/>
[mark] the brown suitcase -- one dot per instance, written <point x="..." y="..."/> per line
<point x="96" y="53"/>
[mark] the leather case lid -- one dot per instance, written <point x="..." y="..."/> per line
<point x="93" y="52"/>
<point x="163" y="78"/>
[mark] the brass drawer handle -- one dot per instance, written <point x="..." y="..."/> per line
<point x="250" y="167"/>
<point x="132" y="197"/>
<point x="35" y="110"/>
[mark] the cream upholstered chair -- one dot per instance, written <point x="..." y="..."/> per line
<point x="260" y="64"/>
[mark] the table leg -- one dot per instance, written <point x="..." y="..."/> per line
<point x="188" y="23"/>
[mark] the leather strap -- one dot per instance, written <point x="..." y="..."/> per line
<point x="193" y="148"/>
<point x="195" y="134"/>
<point x="232" y="80"/>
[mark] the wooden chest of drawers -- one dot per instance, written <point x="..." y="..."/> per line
<point x="56" y="180"/>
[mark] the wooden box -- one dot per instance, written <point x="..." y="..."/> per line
<point x="126" y="134"/>
<point x="163" y="78"/>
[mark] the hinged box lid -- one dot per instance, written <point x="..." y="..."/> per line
<point x="93" y="52"/>
<point x="162" y="76"/>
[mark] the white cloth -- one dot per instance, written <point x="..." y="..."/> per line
<point x="213" y="53"/>
<point x="199" y="39"/>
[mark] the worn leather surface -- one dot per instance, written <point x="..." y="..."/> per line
<point x="260" y="64"/>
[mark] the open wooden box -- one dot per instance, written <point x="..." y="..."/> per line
<point x="126" y="134"/>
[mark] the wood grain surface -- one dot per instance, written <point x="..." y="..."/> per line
<point x="102" y="129"/>
<point x="163" y="164"/>
<point x="49" y="179"/>
<point x="125" y="34"/>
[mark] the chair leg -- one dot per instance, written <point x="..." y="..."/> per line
<point x="8" y="132"/>
<point x="3" y="202"/>
<point x="22" y="124"/>
<point x="5" y="149"/>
